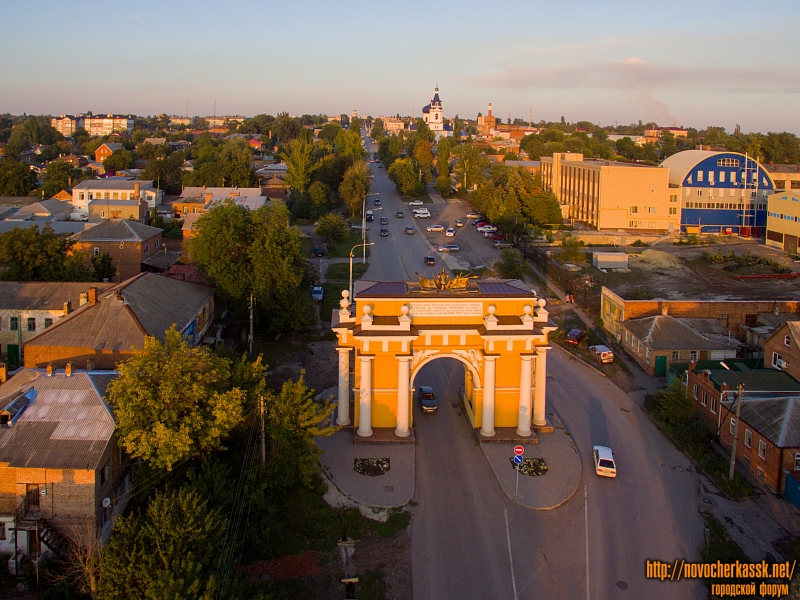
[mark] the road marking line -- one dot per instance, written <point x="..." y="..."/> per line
<point x="586" y="528"/>
<point x="510" y="559"/>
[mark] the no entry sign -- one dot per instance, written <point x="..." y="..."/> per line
<point x="518" y="450"/>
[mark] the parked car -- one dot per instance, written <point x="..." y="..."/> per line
<point x="473" y="215"/>
<point x="501" y="244"/>
<point x="459" y="223"/>
<point x="318" y="251"/>
<point x="603" y="354"/>
<point x="399" y="214"/>
<point x="494" y="235"/>
<point x="317" y="293"/>
<point x="576" y="336"/>
<point x="435" y="228"/>
<point x="449" y="248"/>
<point x="485" y="228"/>
<point x="450" y="232"/>
<point x="427" y="399"/>
<point x="376" y="202"/>
<point x="480" y="223"/>
<point x="430" y="260"/>
<point x="409" y="231"/>
<point x="384" y="231"/>
<point x="603" y="461"/>
<point x="416" y="203"/>
<point x="384" y="221"/>
<point x="422" y="215"/>
<point x="369" y="216"/>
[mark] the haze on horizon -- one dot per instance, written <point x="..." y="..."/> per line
<point x="686" y="63"/>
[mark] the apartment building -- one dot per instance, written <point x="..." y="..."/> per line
<point x="612" y="196"/>
<point x="66" y="124"/>
<point x="114" y="189"/>
<point x="99" y="125"/>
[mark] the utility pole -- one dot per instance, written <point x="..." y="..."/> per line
<point x="251" y="325"/>
<point x="263" y="443"/>
<point x="736" y="431"/>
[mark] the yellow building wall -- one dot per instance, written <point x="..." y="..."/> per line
<point x="624" y="187"/>
<point x="779" y="206"/>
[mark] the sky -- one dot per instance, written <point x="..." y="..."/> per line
<point x="692" y="63"/>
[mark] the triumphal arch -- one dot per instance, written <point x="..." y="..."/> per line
<point x="497" y="328"/>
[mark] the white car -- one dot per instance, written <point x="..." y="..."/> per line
<point x="450" y="232"/>
<point x="487" y="228"/>
<point x="604" y="464"/>
<point x="422" y="215"/>
<point x="419" y="210"/>
<point x="416" y="203"/>
<point x="435" y="228"/>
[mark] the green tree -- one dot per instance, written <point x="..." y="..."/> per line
<point x="571" y="247"/>
<point x="173" y="402"/>
<point x="423" y="159"/>
<point x="405" y="177"/>
<point x="443" y="185"/>
<point x="511" y="265"/>
<point x="39" y="254"/>
<point x="333" y="228"/>
<point x="60" y="176"/>
<point x="170" y="551"/>
<point x="389" y="149"/>
<point x="348" y="143"/>
<point x="675" y="405"/>
<point x="16" y="178"/>
<point x="377" y="131"/>
<point x="120" y="159"/>
<point x="470" y="166"/>
<point x="103" y="265"/>
<point x="355" y="186"/>
<point x="329" y="132"/>
<point x="299" y="165"/>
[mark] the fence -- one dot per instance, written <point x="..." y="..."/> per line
<point x="585" y="288"/>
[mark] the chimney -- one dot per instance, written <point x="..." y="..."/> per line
<point x="66" y="308"/>
<point x="490" y="110"/>
<point x="3" y="372"/>
<point x="136" y="189"/>
<point x="92" y="296"/>
<point x="209" y="195"/>
<point x="90" y="364"/>
<point x="83" y="298"/>
<point x="68" y="369"/>
<point x="664" y="309"/>
<point x="49" y="371"/>
<point x="692" y="365"/>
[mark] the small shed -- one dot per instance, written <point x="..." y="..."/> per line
<point x="610" y="260"/>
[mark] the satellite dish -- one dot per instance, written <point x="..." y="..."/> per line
<point x="106" y="502"/>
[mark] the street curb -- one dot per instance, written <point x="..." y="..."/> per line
<point x="578" y="358"/>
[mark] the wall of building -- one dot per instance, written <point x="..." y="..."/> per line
<point x="127" y="259"/>
<point x="776" y="348"/>
<point x="59" y="356"/>
<point x="22" y="334"/>
<point x="783" y="221"/>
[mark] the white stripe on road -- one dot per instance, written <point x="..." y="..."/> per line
<point x="586" y="526"/>
<point x="510" y="559"/>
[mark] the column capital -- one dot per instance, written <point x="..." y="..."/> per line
<point x="366" y="357"/>
<point x="491" y="357"/>
<point x="541" y="349"/>
<point x="343" y="349"/>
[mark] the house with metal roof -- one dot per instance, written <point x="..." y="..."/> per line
<point x="720" y="192"/>
<point x="114" y="189"/>
<point x="61" y="470"/>
<point x="655" y="342"/>
<point x="103" y="333"/>
<point x="128" y="243"/>
<point x="782" y="348"/>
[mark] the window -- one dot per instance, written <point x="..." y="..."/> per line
<point x="105" y="472"/>
<point x="713" y="405"/>
<point x="795" y="185"/>
<point x="699" y="192"/>
<point x="13" y="323"/>
<point x="780" y="185"/>
<point x="711" y="177"/>
<point x="762" y="449"/>
<point x="653" y="210"/>
<point x="31" y="324"/>
<point x="699" y="176"/>
<point x="675" y="355"/>
<point x="722" y="176"/>
<point x="727" y="162"/>
<point x="787" y="341"/>
<point x="185" y="209"/>
<point x="633" y="210"/>
<point x="776" y="360"/>
<point x="632" y="224"/>
<point x="673" y="198"/>
<point x="147" y="248"/>
<point x="102" y="214"/>
<point x="733" y="426"/>
<point x="96" y="251"/>
<point x="81" y="197"/>
<point x="673" y="210"/>
<point x="115" y="196"/>
<point x="47" y="322"/>
<point x="748" y="438"/>
<point x="156" y="244"/>
<point x="760" y="473"/>
<point x="797" y="461"/>
<point x="693" y="356"/>
<point x="647" y="356"/>
<point x="704" y="398"/>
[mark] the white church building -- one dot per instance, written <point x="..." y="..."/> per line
<point x="434" y="119"/>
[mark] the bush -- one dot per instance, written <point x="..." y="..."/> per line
<point x="639" y="244"/>
<point x="511" y="265"/>
<point x="333" y="228"/>
<point x="572" y="247"/>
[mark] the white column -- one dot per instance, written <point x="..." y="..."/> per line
<point x="539" y="418"/>
<point x="403" y="369"/>
<point x="343" y="418"/>
<point x="365" y="397"/>
<point x="487" y="418"/>
<point x="524" y="415"/>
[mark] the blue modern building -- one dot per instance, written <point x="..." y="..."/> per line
<point x="720" y="192"/>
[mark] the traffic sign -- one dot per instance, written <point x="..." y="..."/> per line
<point x="519" y="450"/>
<point x="518" y="459"/>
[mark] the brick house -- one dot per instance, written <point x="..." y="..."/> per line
<point x="656" y="342"/>
<point x="103" y="333"/>
<point x="782" y="349"/>
<point x="132" y="210"/>
<point x="769" y="432"/>
<point x="129" y="243"/>
<point x="27" y="308"/>
<point x="105" y="150"/>
<point x="62" y="473"/>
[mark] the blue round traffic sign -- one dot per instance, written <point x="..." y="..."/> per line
<point x="518" y="459"/>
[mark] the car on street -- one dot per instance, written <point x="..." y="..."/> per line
<point x="416" y="203"/>
<point x="435" y="228"/>
<point x="576" y="336"/>
<point x="473" y="215"/>
<point x="604" y="464"/>
<point x="376" y="202"/>
<point x="459" y="223"/>
<point x="409" y="231"/>
<point x="430" y="260"/>
<point x="384" y="221"/>
<point x="427" y="399"/>
<point x="317" y="293"/>
<point x="422" y="214"/>
<point x="380" y="166"/>
<point x="480" y="223"/>
<point x="603" y="354"/>
<point x="501" y="244"/>
<point x="450" y="232"/>
<point x="399" y="214"/>
<point x="384" y="231"/>
<point x="494" y="235"/>
<point x="449" y="248"/>
<point x="489" y="228"/>
<point x="318" y="251"/>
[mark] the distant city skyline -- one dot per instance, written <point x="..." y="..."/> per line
<point x="689" y="63"/>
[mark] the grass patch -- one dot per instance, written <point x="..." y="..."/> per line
<point x="332" y="293"/>
<point x="371" y="584"/>
<point x="396" y="523"/>
<point x="639" y="244"/>
<point x="342" y="250"/>
<point x="341" y="271"/>
<point x="690" y="240"/>
<point x="719" y="546"/>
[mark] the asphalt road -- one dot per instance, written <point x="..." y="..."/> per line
<point x="470" y="541"/>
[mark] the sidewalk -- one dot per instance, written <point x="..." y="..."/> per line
<point x="392" y="489"/>
<point x="547" y="491"/>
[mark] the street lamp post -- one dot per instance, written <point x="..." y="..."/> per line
<point x="351" y="264"/>
<point x="364" y="227"/>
